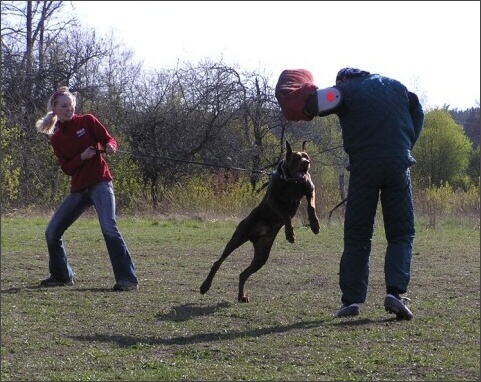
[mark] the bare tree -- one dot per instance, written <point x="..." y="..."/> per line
<point x="184" y="116"/>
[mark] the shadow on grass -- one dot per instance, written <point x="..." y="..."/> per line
<point x="53" y="288"/>
<point x="364" y="321"/>
<point x="11" y="290"/>
<point x="77" y="289"/>
<point x="128" y="341"/>
<point x="189" y="311"/>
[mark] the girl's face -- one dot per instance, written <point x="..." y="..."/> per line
<point x="64" y="108"/>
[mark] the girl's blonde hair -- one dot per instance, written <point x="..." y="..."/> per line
<point x="47" y="123"/>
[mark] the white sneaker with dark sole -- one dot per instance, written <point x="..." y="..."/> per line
<point x="395" y="305"/>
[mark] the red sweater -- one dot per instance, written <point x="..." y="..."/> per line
<point x="70" y="139"/>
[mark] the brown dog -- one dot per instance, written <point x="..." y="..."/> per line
<point x="289" y="183"/>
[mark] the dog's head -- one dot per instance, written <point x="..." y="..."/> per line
<point x="297" y="162"/>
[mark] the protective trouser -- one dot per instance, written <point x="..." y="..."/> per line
<point x="389" y="179"/>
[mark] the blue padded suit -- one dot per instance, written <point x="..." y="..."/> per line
<point x="380" y="121"/>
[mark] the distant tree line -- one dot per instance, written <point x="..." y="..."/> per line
<point x="170" y="120"/>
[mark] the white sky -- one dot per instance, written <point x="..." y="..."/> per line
<point x="432" y="47"/>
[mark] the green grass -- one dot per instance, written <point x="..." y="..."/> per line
<point x="168" y="331"/>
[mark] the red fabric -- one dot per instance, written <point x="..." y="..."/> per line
<point x="292" y="90"/>
<point x="70" y="139"/>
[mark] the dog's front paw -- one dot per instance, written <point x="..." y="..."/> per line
<point x="315" y="227"/>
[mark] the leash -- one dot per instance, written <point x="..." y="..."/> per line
<point x="336" y="207"/>
<point x="102" y="151"/>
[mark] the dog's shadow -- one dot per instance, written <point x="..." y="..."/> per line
<point x="123" y="340"/>
<point x="185" y="312"/>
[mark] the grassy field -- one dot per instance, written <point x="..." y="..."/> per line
<point x="168" y="331"/>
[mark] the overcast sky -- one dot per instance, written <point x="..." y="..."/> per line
<point x="432" y="47"/>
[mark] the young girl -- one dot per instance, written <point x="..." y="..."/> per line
<point x="77" y="142"/>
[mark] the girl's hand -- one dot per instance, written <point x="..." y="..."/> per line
<point x="88" y="153"/>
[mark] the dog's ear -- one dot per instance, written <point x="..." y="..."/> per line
<point x="288" y="149"/>
<point x="304" y="145"/>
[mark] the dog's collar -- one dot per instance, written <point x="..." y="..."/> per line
<point x="282" y="172"/>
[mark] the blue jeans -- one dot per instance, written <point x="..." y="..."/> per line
<point x="102" y="197"/>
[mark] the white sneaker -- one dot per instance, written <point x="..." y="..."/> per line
<point x="395" y="305"/>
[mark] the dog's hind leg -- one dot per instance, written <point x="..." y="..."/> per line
<point x="239" y="237"/>
<point x="262" y="249"/>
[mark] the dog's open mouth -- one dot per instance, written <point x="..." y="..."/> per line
<point x="298" y="169"/>
<point x="302" y="173"/>
<point x="301" y="176"/>
<point x="303" y="170"/>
